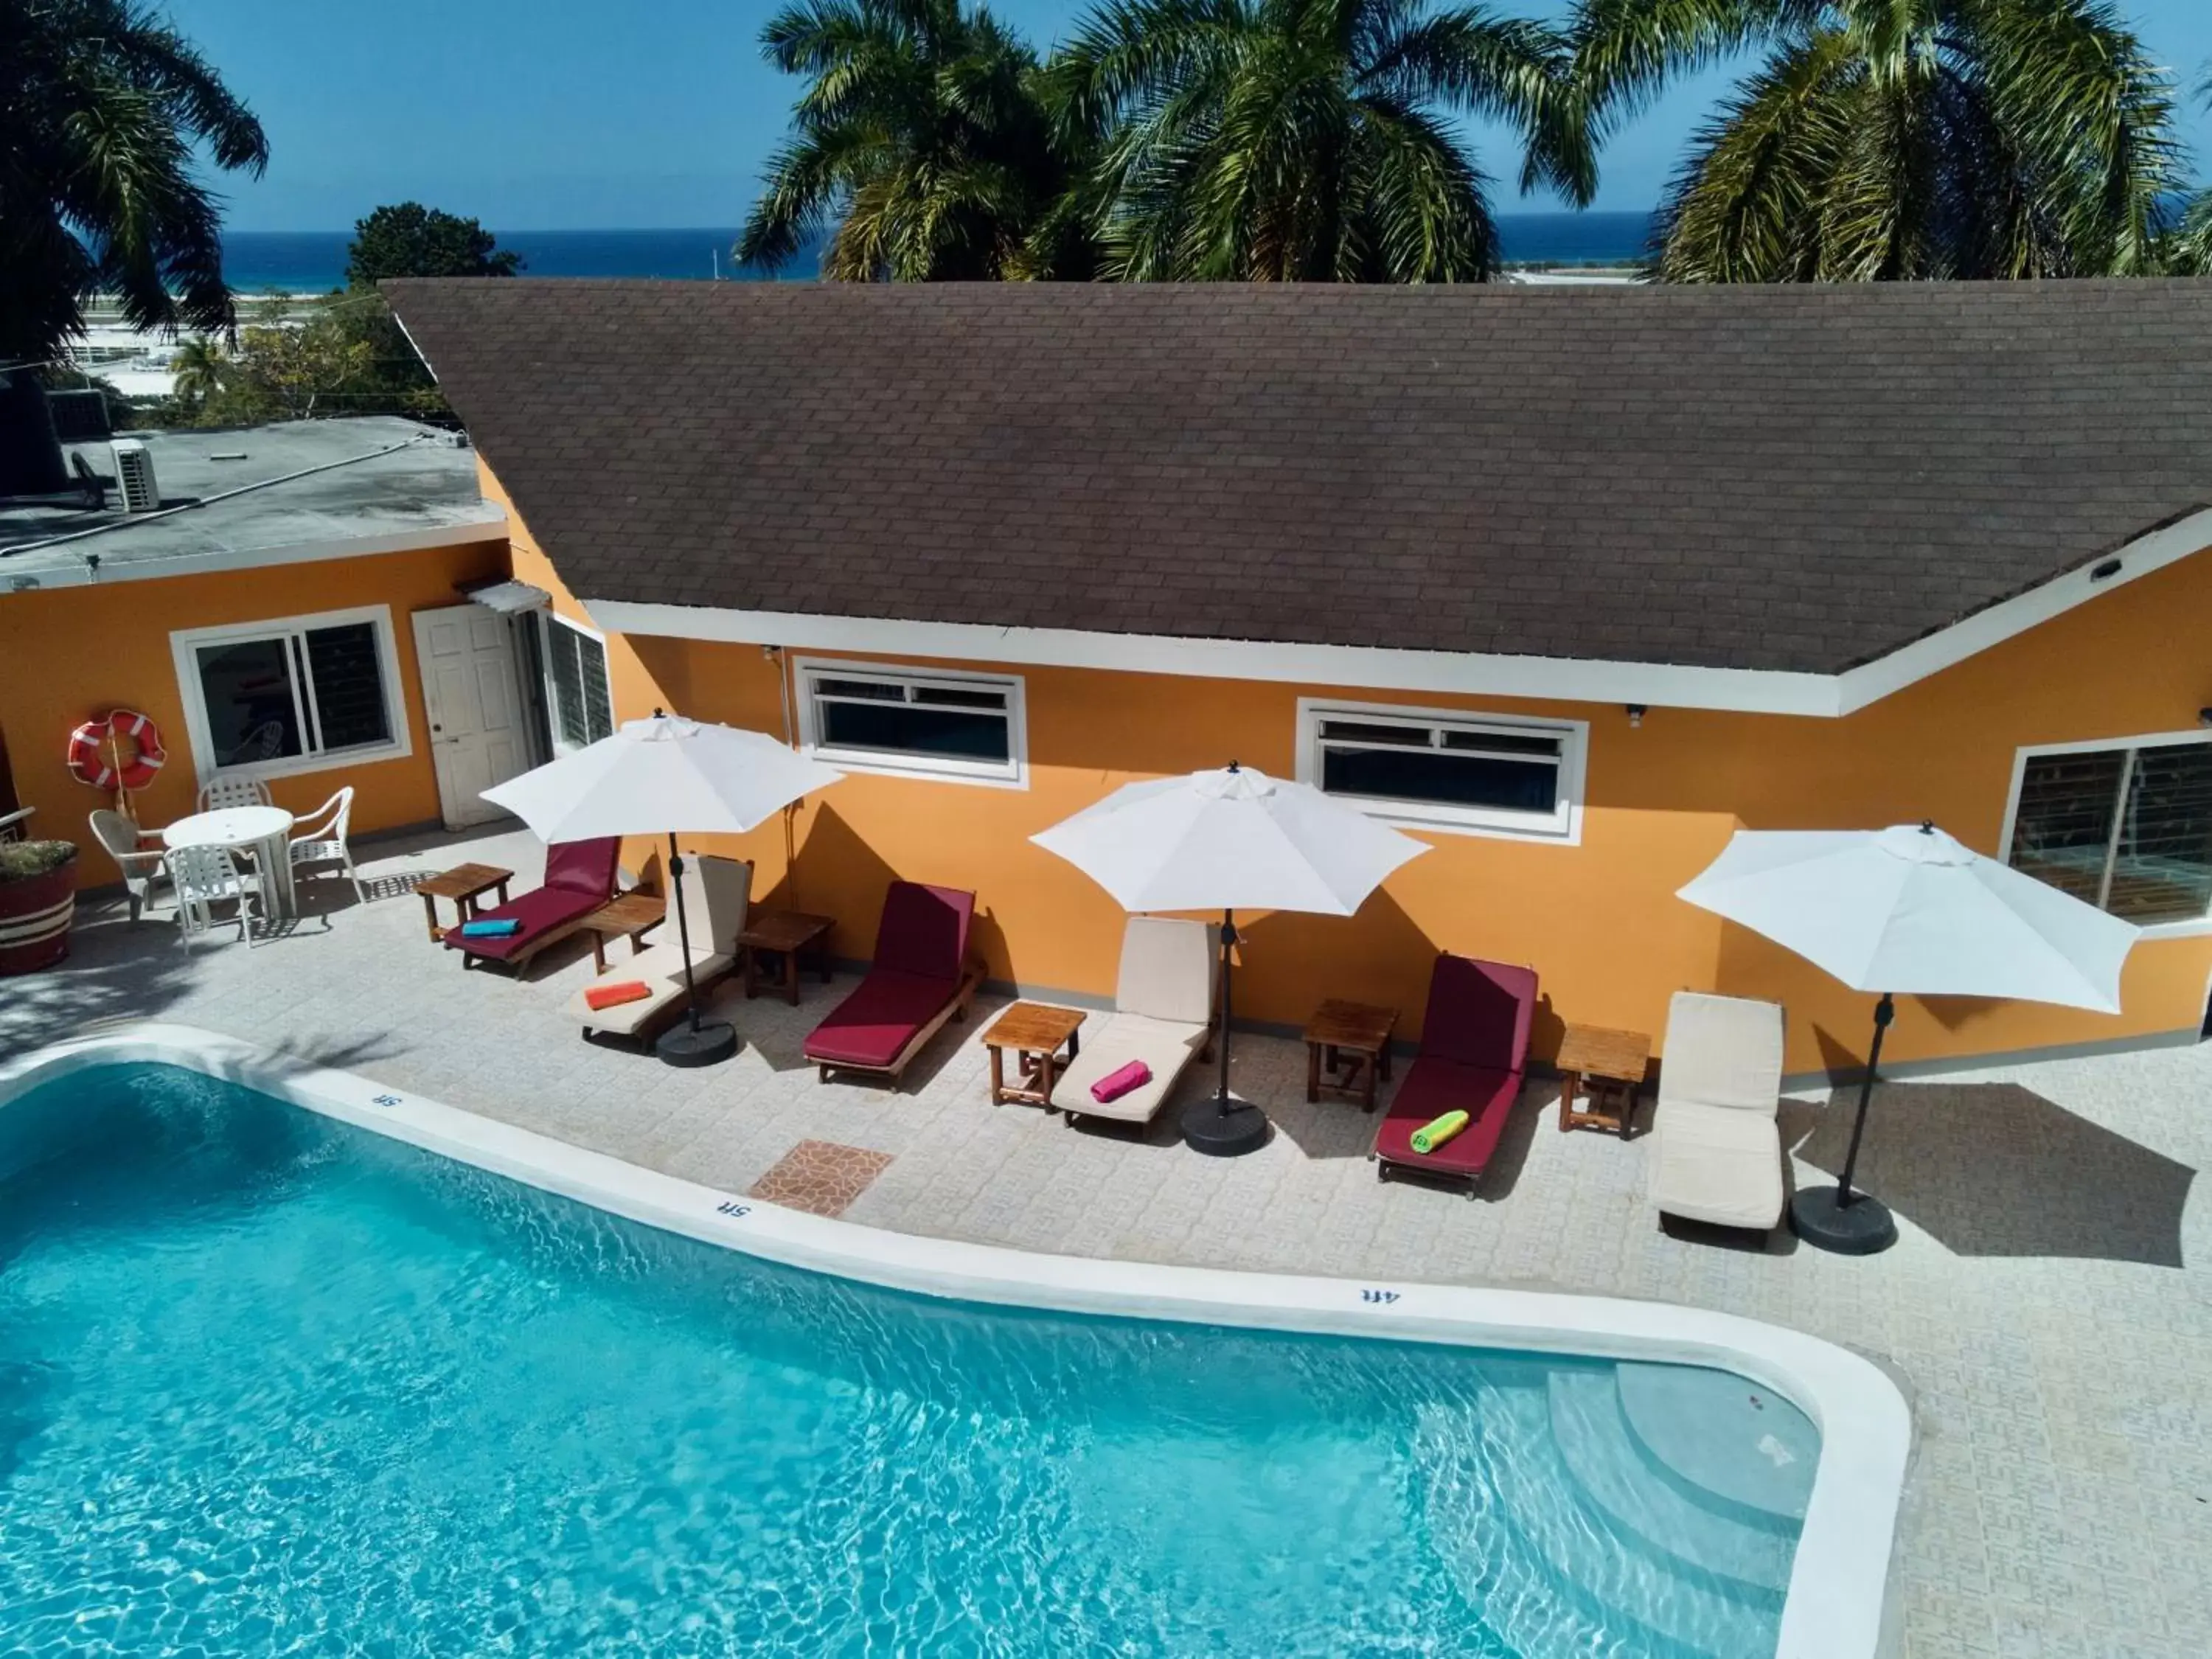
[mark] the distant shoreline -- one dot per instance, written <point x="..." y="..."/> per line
<point x="310" y="264"/>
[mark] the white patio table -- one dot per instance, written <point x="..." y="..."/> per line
<point x="261" y="831"/>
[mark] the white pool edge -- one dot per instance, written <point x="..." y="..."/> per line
<point x="1841" y="1603"/>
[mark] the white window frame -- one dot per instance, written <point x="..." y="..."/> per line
<point x="990" y="775"/>
<point x="555" y="744"/>
<point x="1562" y="827"/>
<point x="184" y="646"/>
<point x="2185" y="927"/>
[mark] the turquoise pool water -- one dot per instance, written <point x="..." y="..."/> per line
<point x="271" y="1385"/>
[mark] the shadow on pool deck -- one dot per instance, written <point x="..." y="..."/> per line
<point x="1995" y="1170"/>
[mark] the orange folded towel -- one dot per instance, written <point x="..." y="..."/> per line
<point x="597" y="997"/>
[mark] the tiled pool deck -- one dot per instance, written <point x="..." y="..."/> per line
<point x="2048" y="1308"/>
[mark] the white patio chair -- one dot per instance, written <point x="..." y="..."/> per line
<point x="1714" y="1153"/>
<point x="234" y="791"/>
<point x="205" y="877"/>
<point x="1162" y="1015"/>
<point x="320" y="838"/>
<point x="142" y="866"/>
<point x="16" y="825"/>
<point x="717" y="895"/>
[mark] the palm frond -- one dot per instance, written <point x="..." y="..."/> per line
<point x="922" y="134"/>
<point x="1507" y="69"/>
<point x="2091" y="118"/>
<point x="1425" y="209"/>
<point x="106" y="118"/>
<point x="1747" y="206"/>
<point x="1626" y="52"/>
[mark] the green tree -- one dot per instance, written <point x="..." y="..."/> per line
<point x="2189" y="254"/>
<point x="923" y="139"/>
<point x="1899" y="139"/>
<point x="106" y="114"/>
<point x="1311" y="140"/>
<point x="409" y="240"/>
<point x="343" y="356"/>
<point x="196" y="371"/>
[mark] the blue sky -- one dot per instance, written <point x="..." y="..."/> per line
<point x="558" y="114"/>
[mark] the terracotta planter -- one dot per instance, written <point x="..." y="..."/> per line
<point x="35" y="913"/>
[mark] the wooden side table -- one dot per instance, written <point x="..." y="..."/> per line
<point x="1609" y="1067"/>
<point x="464" y="884"/>
<point x="1348" y="1049"/>
<point x="625" y="913"/>
<point x="789" y="935"/>
<point x="1035" y="1031"/>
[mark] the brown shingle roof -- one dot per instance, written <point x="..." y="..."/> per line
<point x="1773" y="478"/>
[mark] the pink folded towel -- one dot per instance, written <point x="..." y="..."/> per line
<point x="1121" y="1081"/>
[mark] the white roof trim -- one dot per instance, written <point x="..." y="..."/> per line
<point x="1465" y="673"/>
<point x="1360" y="667"/>
<point x="1871" y="682"/>
<point x="76" y="573"/>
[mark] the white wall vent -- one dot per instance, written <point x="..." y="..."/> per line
<point x="134" y="476"/>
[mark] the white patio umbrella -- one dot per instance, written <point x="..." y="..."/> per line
<point x="1908" y="910"/>
<point x="674" y="776"/>
<point x="1236" y="839"/>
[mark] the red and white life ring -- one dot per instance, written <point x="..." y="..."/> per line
<point x="120" y="751"/>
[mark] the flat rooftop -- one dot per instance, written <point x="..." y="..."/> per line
<point x="242" y="495"/>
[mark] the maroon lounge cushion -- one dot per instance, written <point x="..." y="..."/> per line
<point x="1479" y="1013"/>
<point x="538" y="913"/>
<point x="584" y="866"/>
<point x="1433" y="1087"/>
<point x="924" y="930"/>
<point x="880" y="1016"/>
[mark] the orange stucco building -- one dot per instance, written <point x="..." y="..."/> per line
<point x="1598" y="918"/>
<point x="1569" y="609"/>
<point x="281" y="562"/>
<point x="1568" y="586"/>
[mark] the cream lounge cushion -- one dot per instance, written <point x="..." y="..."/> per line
<point x="716" y="893"/>
<point x="1716" y="1154"/>
<point x="1162" y="1001"/>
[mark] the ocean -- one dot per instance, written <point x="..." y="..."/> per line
<point x="312" y="261"/>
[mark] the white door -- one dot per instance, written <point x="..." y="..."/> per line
<point x="473" y="684"/>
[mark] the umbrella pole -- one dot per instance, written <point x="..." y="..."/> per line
<point x="691" y="985"/>
<point x="1228" y="972"/>
<point x="1836" y="1217"/>
<point x="693" y="1043"/>
<point x="1220" y="1127"/>
<point x="1884" y="1012"/>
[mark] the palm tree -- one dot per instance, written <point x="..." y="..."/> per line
<point x="1899" y="139"/>
<point x="106" y="112"/>
<point x="1310" y="140"/>
<point x="2189" y="254"/>
<point x="196" y="371"/>
<point x="921" y="139"/>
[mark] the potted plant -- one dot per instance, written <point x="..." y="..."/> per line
<point x="38" y="899"/>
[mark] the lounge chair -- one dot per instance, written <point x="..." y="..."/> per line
<point x="1716" y="1153"/>
<point x="921" y="978"/>
<point x="579" y="877"/>
<point x="717" y="892"/>
<point x="1474" y="1048"/>
<point x="1162" y="1015"/>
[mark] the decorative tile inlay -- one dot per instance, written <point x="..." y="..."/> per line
<point x="820" y="1176"/>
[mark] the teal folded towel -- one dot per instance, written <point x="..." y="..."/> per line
<point x="489" y="929"/>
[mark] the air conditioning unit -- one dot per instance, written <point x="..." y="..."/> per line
<point x="134" y="476"/>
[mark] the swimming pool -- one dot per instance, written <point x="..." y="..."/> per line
<point x="268" y="1380"/>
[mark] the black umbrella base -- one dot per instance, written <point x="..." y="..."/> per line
<point x="1222" y="1127"/>
<point x="1862" y="1227"/>
<point x="707" y="1043"/>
